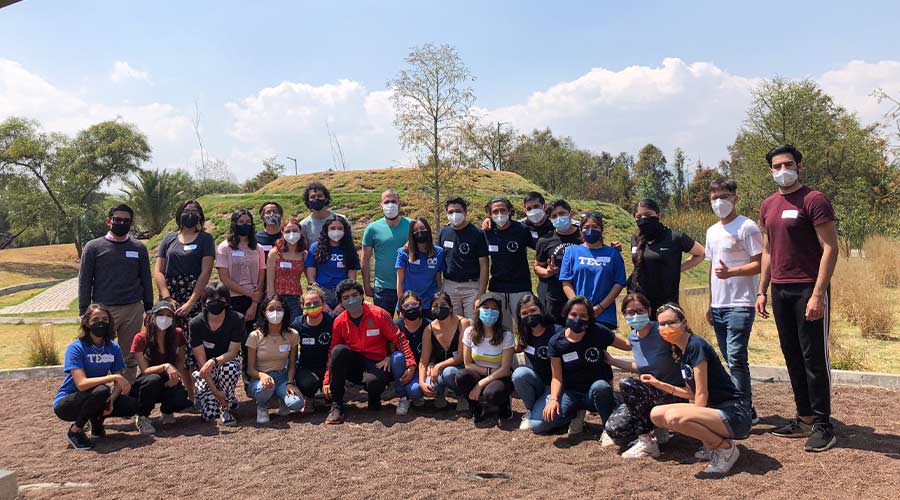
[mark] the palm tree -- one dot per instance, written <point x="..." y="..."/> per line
<point x="154" y="196"/>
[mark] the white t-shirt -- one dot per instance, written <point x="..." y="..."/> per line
<point x="735" y="244"/>
<point x="486" y="354"/>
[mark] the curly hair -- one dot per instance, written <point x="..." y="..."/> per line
<point x="322" y="252"/>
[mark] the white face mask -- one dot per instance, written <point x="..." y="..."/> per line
<point x="535" y="215"/>
<point x="391" y="210"/>
<point x="722" y="207"/>
<point x="274" y="317"/>
<point x="335" y="234"/>
<point x="501" y="219"/>
<point x="163" y="322"/>
<point x="785" y="178"/>
<point x="456" y="218"/>
<point x="292" y="237"/>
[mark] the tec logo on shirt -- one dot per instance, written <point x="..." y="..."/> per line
<point x="592" y="355"/>
<point x="325" y="338"/>
<point x="593" y="261"/>
<point x="432" y="261"/>
<point x="512" y="246"/>
<point x="100" y="358"/>
<point x="464" y="248"/>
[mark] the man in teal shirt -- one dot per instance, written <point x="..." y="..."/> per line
<point x="384" y="237"/>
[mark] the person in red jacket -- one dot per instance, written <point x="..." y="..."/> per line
<point x="360" y="352"/>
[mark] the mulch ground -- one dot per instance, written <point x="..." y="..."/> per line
<point x="435" y="454"/>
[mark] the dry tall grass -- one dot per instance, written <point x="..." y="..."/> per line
<point x="42" y="348"/>
<point x="883" y="257"/>
<point x="855" y="296"/>
<point x="695" y="307"/>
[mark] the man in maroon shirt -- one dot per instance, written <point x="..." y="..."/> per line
<point x="799" y="255"/>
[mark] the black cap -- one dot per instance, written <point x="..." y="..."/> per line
<point x="491" y="296"/>
<point x="162" y="305"/>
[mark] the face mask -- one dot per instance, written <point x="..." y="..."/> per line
<point x="591" y="235"/>
<point x="785" y="178"/>
<point x="120" y="229"/>
<point x="456" y="218"/>
<point x="562" y="223"/>
<point x="316" y="204"/>
<point x="216" y="306"/>
<point x="648" y="226"/>
<point x="421" y="237"/>
<point x="441" y="312"/>
<point x="274" y="317"/>
<point x="488" y="316"/>
<point x="335" y="234"/>
<point x="292" y="237"/>
<point x="101" y="329"/>
<point x="272" y="219"/>
<point x="670" y="334"/>
<point x="638" y="321"/>
<point x="391" y="210"/>
<point x="353" y="304"/>
<point x="163" y="322"/>
<point x="577" y="325"/>
<point x="722" y="208"/>
<point x="189" y="220"/>
<point x="313" y="312"/>
<point x="412" y="314"/>
<point x="501" y="219"/>
<point x="532" y="320"/>
<point x="535" y="215"/>
<point x="243" y="229"/>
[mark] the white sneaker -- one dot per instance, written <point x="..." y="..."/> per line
<point x="440" y="402"/>
<point x="526" y="421"/>
<point x="662" y="435"/>
<point x="167" y="419"/>
<point x="462" y="405"/>
<point x="418" y="402"/>
<point x="644" y="447"/>
<point x="262" y="415"/>
<point x="704" y="454"/>
<point x="576" y="426"/>
<point x="143" y="424"/>
<point x="283" y="409"/>
<point x="403" y="406"/>
<point x="228" y="420"/>
<point x="723" y="460"/>
<point x="606" y="441"/>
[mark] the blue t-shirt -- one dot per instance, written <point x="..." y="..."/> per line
<point x="593" y="272"/>
<point x="537" y="351"/>
<point x="331" y="272"/>
<point x="96" y="361"/>
<point x="653" y="355"/>
<point x="583" y="363"/>
<point x="719" y="384"/>
<point x="421" y="273"/>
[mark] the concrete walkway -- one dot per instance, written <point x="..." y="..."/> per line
<point x="56" y="298"/>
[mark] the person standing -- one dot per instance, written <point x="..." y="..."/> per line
<point x="508" y="242"/>
<point x="536" y="220"/>
<point x="285" y="266"/>
<point x="332" y="258"/>
<point x="465" y="258"/>
<point x="549" y="257"/>
<point x="271" y="213"/>
<point x="115" y="272"/>
<point x="242" y="267"/>
<point x="799" y="255"/>
<point x="734" y="246"/>
<point x="383" y="238"/>
<point x="317" y="199"/>
<point x="419" y="264"/>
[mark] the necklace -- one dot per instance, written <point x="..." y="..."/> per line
<point x="102" y="348"/>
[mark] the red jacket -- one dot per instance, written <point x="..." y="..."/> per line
<point x="370" y="338"/>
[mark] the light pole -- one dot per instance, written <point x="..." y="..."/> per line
<point x="295" y="163"/>
<point x="499" y="146"/>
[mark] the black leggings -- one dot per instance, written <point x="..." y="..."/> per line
<point x="151" y="389"/>
<point x="87" y="406"/>
<point x="496" y="393"/>
<point x="308" y="381"/>
<point x="632" y="418"/>
<point x="347" y="364"/>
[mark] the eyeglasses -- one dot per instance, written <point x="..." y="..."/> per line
<point x="119" y="220"/>
<point x="667" y="324"/>
<point x="635" y="312"/>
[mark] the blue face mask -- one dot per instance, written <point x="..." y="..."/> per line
<point x="591" y="235"/>
<point x="563" y="222"/>
<point x="488" y="316"/>
<point x="638" y="321"/>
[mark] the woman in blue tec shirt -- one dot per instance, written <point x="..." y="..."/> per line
<point x="332" y="259"/>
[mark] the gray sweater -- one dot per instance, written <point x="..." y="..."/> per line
<point x="114" y="273"/>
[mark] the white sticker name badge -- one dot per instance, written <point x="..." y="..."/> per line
<point x="131" y="254"/>
<point x="448" y="244"/>
<point x="534" y="234"/>
<point x="286" y="265"/>
<point x="266" y="248"/>
<point x="190" y="248"/>
<point x="209" y="345"/>
<point x="790" y="214"/>
<point x="374" y="332"/>
<point x="570" y="356"/>
<point x="529" y="350"/>
<point x="493" y="248"/>
<point x="237" y="253"/>
<point x="339" y="264"/>
<point x="284" y="347"/>
<point x="309" y="341"/>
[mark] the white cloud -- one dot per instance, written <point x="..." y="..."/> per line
<point x="852" y="87"/>
<point x="122" y="71"/>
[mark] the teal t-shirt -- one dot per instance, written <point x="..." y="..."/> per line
<point x="386" y="240"/>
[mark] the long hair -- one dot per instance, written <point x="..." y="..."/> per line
<point x="411" y="246"/>
<point x="84" y="330"/>
<point x="233" y="239"/>
<point x="478" y="327"/>
<point x="639" y="238"/>
<point x="679" y="312"/>
<point x="183" y="206"/>
<point x="322" y="253"/>
<point x="579" y="299"/>
<point x="151" y="343"/>
<point x="522" y="331"/>
<point x="263" y="323"/>
<point x="302" y="244"/>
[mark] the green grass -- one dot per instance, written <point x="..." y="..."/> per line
<point x="15" y="339"/>
<point x="19" y="297"/>
<point x="18" y="273"/>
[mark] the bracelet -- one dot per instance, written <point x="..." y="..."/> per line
<point x="764" y="294"/>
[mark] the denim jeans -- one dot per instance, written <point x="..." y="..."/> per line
<point x="447" y="379"/>
<point x="529" y="386"/>
<point x="386" y="298"/>
<point x="410" y="389"/>
<point x="732" y="326"/>
<point x="292" y="304"/>
<point x="598" y="399"/>
<point x="263" y="395"/>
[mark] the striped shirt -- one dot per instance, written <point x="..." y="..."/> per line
<point x="486" y="354"/>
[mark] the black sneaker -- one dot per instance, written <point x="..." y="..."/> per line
<point x="793" y="429"/>
<point x="79" y="440"/>
<point x="754" y="418"/>
<point x="98" y="431"/>
<point x="505" y="410"/>
<point x="374" y="405"/>
<point x="478" y="413"/>
<point x="336" y="415"/>
<point x="821" y="439"/>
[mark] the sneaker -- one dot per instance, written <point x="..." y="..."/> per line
<point x="661" y="435"/>
<point x="462" y="405"/>
<point x="283" y="409"/>
<point x="79" y="440"/>
<point x="704" y="454"/>
<point x="228" y="419"/>
<point x="167" y="419"/>
<point x="440" y="402"/>
<point x="821" y="439"/>
<point x="754" y="418"/>
<point x="576" y="426"/>
<point x="233" y="404"/>
<point x="644" y="447"/>
<point x="505" y="410"/>
<point x="144" y="426"/>
<point x="262" y="415"/>
<point x="192" y="410"/>
<point x="309" y="406"/>
<point x="403" y="406"/>
<point x="478" y="413"/>
<point x="796" y="428"/>
<point x="98" y="431"/>
<point x="606" y="441"/>
<point x="722" y="460"/>
<point x="526" y="421"/>
<point x="336" y="415"/>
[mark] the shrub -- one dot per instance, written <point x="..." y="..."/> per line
<point x="42" y="348"/>
<point x="883" y="258"/>
<point x="695" y="306"/>
<point x="852" y="289"/>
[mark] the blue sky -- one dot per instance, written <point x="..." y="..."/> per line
<point x="259" y="70"/>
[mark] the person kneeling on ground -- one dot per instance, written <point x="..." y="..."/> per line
<point x="315" y="327"/>
<point x="441" y="357"/>
<point x="412" y="325"/>
<point x="359" y="350"/>
<point x="719" y="412"/>
<point x="94" y="387"/>
<point x="535" y="328"/>
<point x="271" y="361"/>
<point x="216" y="337"/>
<point x="160" y="352"/>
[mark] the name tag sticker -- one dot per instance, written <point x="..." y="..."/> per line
<point x="529" y="349"/>
<point x="493" y="248"/>
<point x="286" y="265"/>
<point x="266" y="248"/>
<point x="534" y="234"/>
<point x="309" y="341"/>
<point x="373" y="332"/>
<point x="570" y="356"/>
<point x="339" y="264"/>
<point x="237" y="253"/>
<point x="790" y="214"/>
<point x="284" y="348"/>
<point x="209" y="345"/>
<point x="191" y="247"/>
<point x="131" y="254"/>
<point x="448" y="244"/>
<point x="633" y="249"/>
<point x="414" y="262"/>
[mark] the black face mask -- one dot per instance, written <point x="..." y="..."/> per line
<point x="189" y="220"/>
<point x="243" y="229"/>
<point x="577" y="325"/>
<point x="101" y="329"/>
<point x="421" y="236"/>
<point x="648" y="226"/>
<point x="216" y="306"/>
<point x="120" y="229"/>
<point x="412" y="314"/>
<point x="441" y="312"/>
<point x="532" y="320"/>
<point x="316" y="204"/>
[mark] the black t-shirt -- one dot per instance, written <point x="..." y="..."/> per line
<point x="509" y="258"/>
<point x="537" y="231"/>
<point x="660" y="277"/>
<point x="314" y="342"/>
<point x="266" y="240"/>
<point x="538" y="352"/>
<point x="583" y="363"/>
<point x="216" y="343"/>
<point x="462" y="249"/>
<point x="414" y="338"/>
<point x="551" y="247"/>
<point x="719" y="384"/>
<point x="438" y="353"/>
<point x="186" y="259"/>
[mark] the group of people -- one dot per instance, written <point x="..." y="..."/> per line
<point x="464" y="309"/>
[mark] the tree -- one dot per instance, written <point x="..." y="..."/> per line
<point x="431" y="100"/>
<point x="678" y="183"/>
<point x="488" y="145"/>
<point x="271" y="171"/>
<point x="651" y="175"/>
<point x="697" y="193"/>
<point x="154" y="195"/>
